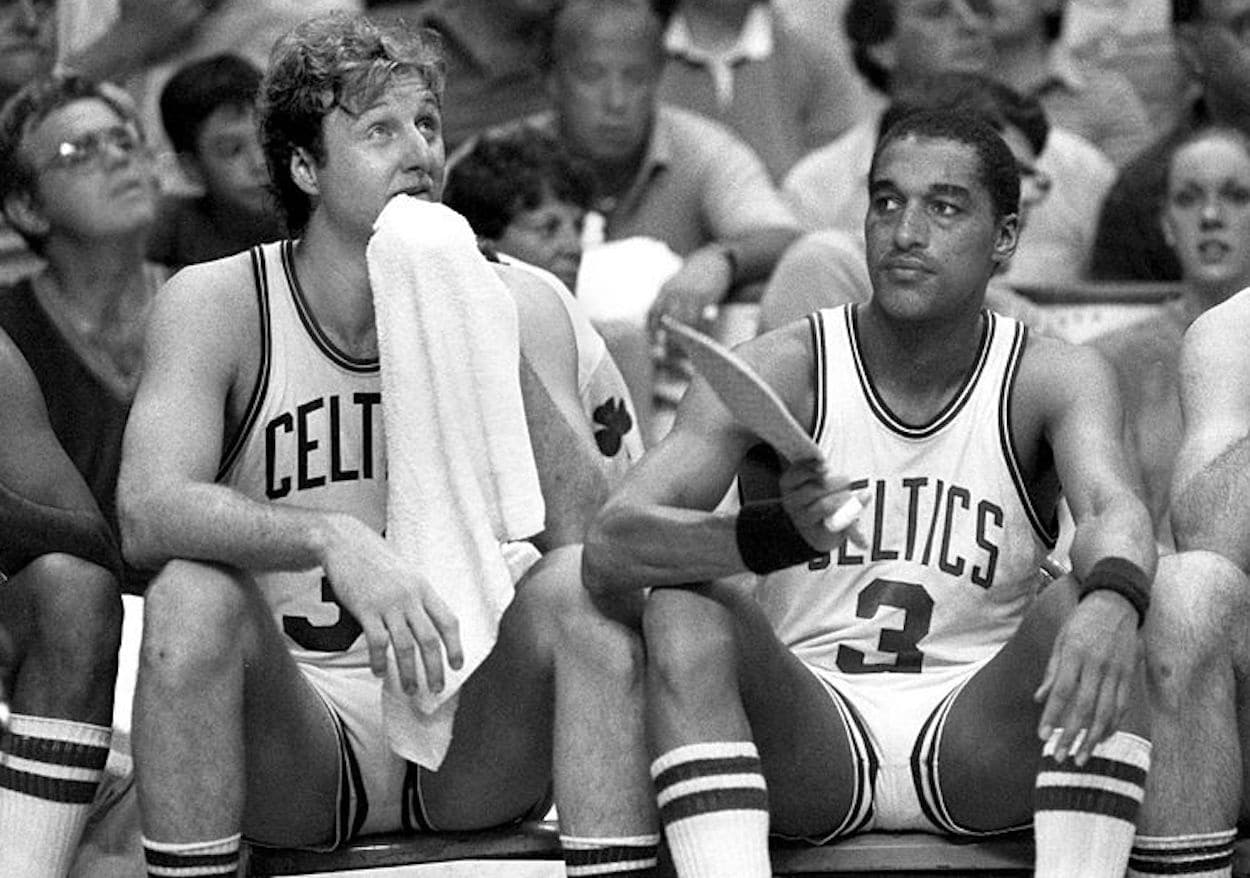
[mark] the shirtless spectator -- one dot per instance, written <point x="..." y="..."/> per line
<point x="77" y="182"/>
<point x="750" y="65"/>
<point x="60" y="627"/>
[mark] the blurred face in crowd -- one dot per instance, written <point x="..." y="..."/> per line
<point x="229" y="162"/>
<point x="933" y="238"/>
<point x="392" y="147"/>
<point x="935" y="36"/>
<point x="1206" y="218"/>
<point x="1012" y="20"/>
<point x="1217" y="48"/>
<point x="549" y="236"/>
<point x="94" y="177"/>
<point x="604" y="82"/>
<point x="27" y="42"/>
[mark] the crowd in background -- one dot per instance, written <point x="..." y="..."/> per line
<point x="711" y="157"/>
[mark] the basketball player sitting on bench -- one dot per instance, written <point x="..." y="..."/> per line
<point x="903" y="681"/>
<point x="278" y="601"/>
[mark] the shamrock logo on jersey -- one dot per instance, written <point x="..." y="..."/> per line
<point x="616" y="422"/>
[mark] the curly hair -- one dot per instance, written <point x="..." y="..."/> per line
<point x="25" y="110"/>
<point x="514" y="171"/>
<point x="335" y="61"/>
<point x="999" y="171"/>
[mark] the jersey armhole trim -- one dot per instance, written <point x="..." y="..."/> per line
<point x="820" y="361"/>
<point x="1048" y="535"/>
<point x="261" y="282"/>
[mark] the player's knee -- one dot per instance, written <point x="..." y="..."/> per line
<point x="1195" y="626"/>
<point x="195" y="618"/>
<point x="77" y="609"/>
<point x="689" y="639"/>
<point x="578" y="626"/>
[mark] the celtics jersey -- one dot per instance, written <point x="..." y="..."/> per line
<point x="953" y="542"/>
<point x="312" y="437"/>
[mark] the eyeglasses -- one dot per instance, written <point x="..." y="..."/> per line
<point x="91" y="148"/>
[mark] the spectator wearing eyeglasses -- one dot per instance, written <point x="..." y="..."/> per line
<point x="899" y="47"/>
<point x="1213" y="41"/>
<point x="77" y="183"/>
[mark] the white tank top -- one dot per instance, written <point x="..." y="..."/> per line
<point x="954" y="543"/>
<point x="312" y="436"/>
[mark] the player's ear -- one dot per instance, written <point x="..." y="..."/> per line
<point x="304" y="171"/>
<point x="1006" y="238"/>
<point x="24" y="213"/>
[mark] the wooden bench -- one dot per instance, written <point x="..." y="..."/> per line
<point x="897" y="854"/>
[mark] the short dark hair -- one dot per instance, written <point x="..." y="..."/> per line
<point x="999" y="172"/>
<point x="33" y="103"/>
<point x="868" y="23"/>
<point x="998" y="104"/>
<point x="1186" y="11"/>
<point x="193" y="94"/>
<point x="513" y="171"/>
<point x="571" y="15"/>
<point x="333" y="61"/>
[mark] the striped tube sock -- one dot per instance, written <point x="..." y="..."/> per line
<point x="627" y="857"/>
<point x="714" y="808"/>
<point x="49" y="772"/>
<point x="1084" y="816"/>
<point x="196" y="859"/>
<point x="1208" y="855"/>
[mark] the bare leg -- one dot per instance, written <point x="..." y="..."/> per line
<point x="988" y="759"/>
<point x="1198" y="658"/>
<point x="563" y="671"/>
<point x="721" y="687"/>
<point x="224" y="716"/>
<point x="64" y="619"/>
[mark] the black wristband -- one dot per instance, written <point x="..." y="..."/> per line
<point x="1125" y="579"/>
<point x="768" y="540"/>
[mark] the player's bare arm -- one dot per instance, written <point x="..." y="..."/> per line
<point x="575" y="478"/>
<point x="1095" y="656"/>
<point x="659" y="528"/>
<point x="199" y="370"/>
<point x="44" y="504"/>
<point x="1212" y="473"/>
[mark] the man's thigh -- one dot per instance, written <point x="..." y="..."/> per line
<point x="989" y="751"/>
<point x="499" y="763"/>
<point x="268" y="715"/>
<point x="817" y="773"/>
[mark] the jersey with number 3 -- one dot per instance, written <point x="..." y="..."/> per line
<point x="312" y="437"/>
<point x="953" y="544"/>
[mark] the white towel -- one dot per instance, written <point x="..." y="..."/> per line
<point x="461" y="474"/>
